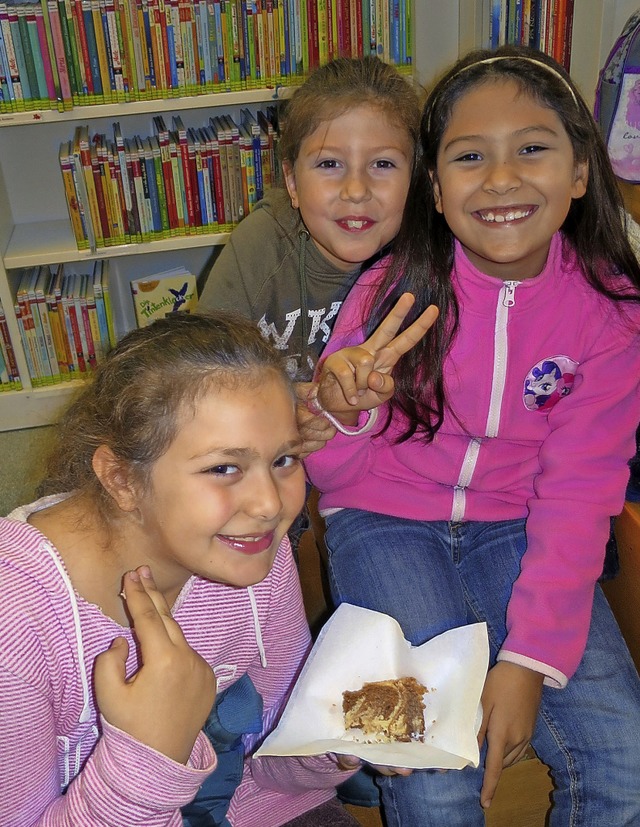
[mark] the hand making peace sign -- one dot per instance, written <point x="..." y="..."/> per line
<point x="359" y="378"/>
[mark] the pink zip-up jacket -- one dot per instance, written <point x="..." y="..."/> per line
<point x="543" y="380"/>
<point x="52" y="738"/>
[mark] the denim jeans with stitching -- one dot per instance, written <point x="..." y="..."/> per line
<point x="434" y="576"/>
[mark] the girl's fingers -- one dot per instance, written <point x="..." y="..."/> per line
<point x="347" y="370"/>
<point x="109" y="670"/>
<point x="150" y="614"/>
<point x="492" y="773"/>
<point x="360" y="369"/>
<point x="390" y="325"/>
<point x="387" y="357"/>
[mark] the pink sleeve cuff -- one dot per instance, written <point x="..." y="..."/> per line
<point x="552" y="677"/>
<point x="141" y="774"/>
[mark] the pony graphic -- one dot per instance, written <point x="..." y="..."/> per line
<point x="548" y="381"/>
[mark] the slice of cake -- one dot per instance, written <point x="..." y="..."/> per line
<point x="391" y="710"/>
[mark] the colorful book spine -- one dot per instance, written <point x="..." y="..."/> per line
<point x="56" y="321"/>
<point x="59" y="55"/>
<point x="27" y="345"/>
<point x="84" y="323"/>
<point x="97" y="174"/>
<point x="43" y="276"/>
<point x="74" y="206"/>
<point x="106" y="294"/>
<point x="160" y="190"/>
<point x="47" y="53"/>
<point x="9" y="353"/>
<point x="14" y="82"/>
<point x="135" y="150"/>
<point x="149" y="232"/>
<point x="6" y="83"/>
<point x="22" y="75"/>
<point x="28" y="334"/>
<point x="92" y="51"/>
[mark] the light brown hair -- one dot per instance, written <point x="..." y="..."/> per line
<point x="135" y="401"/>
<point x="341" y="85"/>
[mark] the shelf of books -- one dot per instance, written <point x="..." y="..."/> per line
<point x="61" y="54"/>
<point x="134" y="135"/>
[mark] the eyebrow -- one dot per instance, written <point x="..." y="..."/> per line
<point x="517" y="134"/>
<point x="244" y="453"/>
<point x="338" y="148"/>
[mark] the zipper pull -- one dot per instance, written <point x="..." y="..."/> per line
<point x="509" y="299"/>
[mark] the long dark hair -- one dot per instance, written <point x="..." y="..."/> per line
<point x="424" y="249"/>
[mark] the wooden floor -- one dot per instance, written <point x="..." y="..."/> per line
<point x="522" y="797"/>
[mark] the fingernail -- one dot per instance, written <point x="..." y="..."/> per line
<point x="133" y="576"/>
<point x="145" y="571"/>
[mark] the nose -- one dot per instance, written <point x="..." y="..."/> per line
<point x="263" y="498"/>
<point x="502" y="177"/>
<point x="355" y="186"/>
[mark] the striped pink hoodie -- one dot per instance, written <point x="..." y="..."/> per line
<point x="53" y="739"/>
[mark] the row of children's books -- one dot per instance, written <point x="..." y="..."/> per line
<point x="178" y="181"/>
<point x="546" y="25"/>
<point x="65" y="322"/>
<point x="65" y="53"/>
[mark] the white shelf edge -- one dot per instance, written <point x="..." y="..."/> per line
<point x="35" y="407"/>
<point x="246" y="97"/>
<point x="52" y="242"/>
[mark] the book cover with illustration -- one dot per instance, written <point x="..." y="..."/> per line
<point x="162" y="293"/>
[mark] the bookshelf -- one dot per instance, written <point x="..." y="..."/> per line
<point x="34" y="225"/>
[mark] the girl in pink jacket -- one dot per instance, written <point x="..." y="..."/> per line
<point x="484" y="489"/>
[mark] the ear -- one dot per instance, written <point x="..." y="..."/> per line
<point x="436" y="192"/>
<point x="115" y="478"/>
<point x="290" y="182"/>
<point x="581" y="179"/>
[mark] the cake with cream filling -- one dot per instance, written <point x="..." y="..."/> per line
<point x="390" y="710"/>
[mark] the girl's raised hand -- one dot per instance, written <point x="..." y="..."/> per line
<point x="359" y="378"/>
<point x="166" y="702"/>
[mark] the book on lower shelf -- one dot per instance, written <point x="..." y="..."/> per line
<point x="65" y="323"/>
<point x="158" y="295"/>
<point x="9" y="374"/>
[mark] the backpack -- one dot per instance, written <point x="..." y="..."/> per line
<point x="617" y="102"/>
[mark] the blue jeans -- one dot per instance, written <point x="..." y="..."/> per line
<point x="433" y="576"/>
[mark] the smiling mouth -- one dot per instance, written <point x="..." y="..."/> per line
<point x="248" y="544"/>
<point x="355" y="223"/>
<point x="504" y="216"/>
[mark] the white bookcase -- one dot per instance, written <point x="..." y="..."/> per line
<point x="34" y="225"/>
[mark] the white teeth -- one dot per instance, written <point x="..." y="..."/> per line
<point x="355" y="225"/>
<point x="499" y="218"/>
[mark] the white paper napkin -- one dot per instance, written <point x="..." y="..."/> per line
<point x="358" y="645"/>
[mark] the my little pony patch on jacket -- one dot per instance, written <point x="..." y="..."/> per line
<point x="548" y="381"/>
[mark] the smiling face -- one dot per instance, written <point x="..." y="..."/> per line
<point x="227" y="489"/>
<point x="350" y="182"/>
<point x="505" y="178"/>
